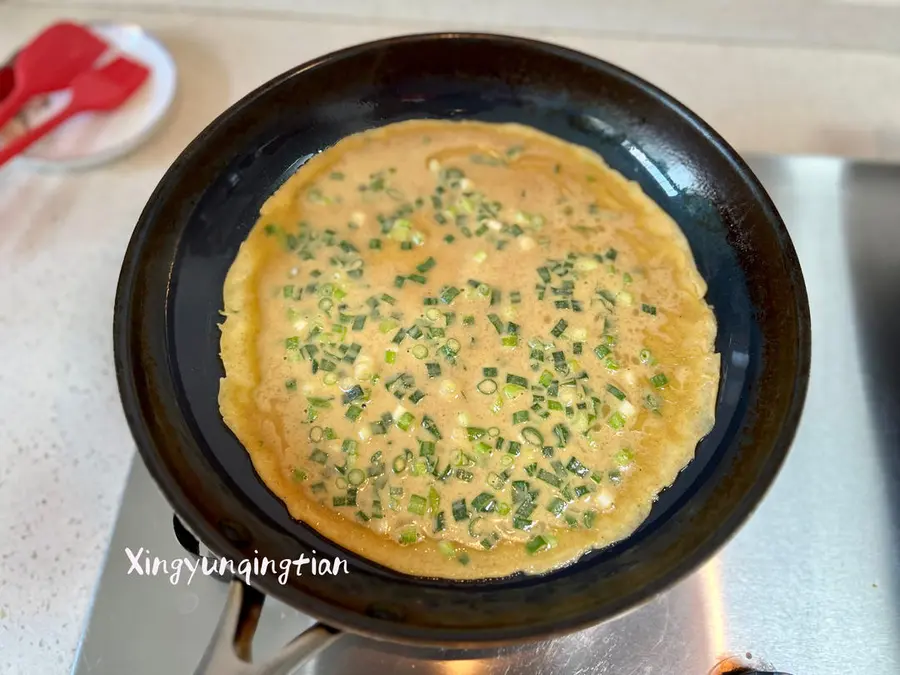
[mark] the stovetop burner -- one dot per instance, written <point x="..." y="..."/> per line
<point x="807" y="587"/>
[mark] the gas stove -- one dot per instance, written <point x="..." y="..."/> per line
<point x="808" y="587"/>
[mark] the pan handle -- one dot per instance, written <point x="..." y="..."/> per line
<point x="229" y="650"/>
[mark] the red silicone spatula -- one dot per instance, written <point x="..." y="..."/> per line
<point x="49" y="63"/>
<point x="102" y="89"/>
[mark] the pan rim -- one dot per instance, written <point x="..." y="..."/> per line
<point x="346" y="619"/>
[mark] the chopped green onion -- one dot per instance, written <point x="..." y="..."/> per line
<point x="409" y="535"/>
<point x="474" y="433"/>
<point x="561" y="431"/>
<point x="420" y="351"/>
<point x="416" y="505"/>
<point x="615" y="391"/>
<point x="405" y="421"/>
<point x="431" y="427"/>
<point x="484" y="503"/>
<point x="616" y="420"/>
<point x="623" y="457"/>
<point x="649" y="309"/>
<point x="556" y="506"/>
<point x="602" y="351"/>
<point x="434" y="369"/>
<point x="659" y="380"/>
<point x="487" y="386"/>
<point x="549" y="478"/>
<point x="577" y="468"/>
<point x="520" y="417"/>
<point x="459" y="510"/>
<point x="533" y="436"/>
<point x="448" y="294"/>
<point x="559" y="328"/>
<point x="536" y="545"/>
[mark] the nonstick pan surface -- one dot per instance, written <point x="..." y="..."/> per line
<point x="170" y="295"/>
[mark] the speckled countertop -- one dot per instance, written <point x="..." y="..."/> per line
<point x="64" y="445"/>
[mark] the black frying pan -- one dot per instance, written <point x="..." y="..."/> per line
<point x="169" y="297"/>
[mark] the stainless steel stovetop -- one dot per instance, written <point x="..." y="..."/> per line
<point x="810" y="586"/>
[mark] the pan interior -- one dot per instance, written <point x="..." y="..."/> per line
<point x="206" y="204"/>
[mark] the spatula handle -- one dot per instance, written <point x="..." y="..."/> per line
<point x="25" y="140"/>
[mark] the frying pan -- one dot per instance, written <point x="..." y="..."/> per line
<point x="170" y="294"/>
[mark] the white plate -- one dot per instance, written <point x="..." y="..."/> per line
<point x="91" y="139"/>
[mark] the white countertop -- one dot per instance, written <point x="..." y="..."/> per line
<point x="64" y="445"/>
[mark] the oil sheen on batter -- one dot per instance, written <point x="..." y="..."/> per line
<point x="464" y="350"/>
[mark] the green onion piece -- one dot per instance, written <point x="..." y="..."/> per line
<point x="434" y="369"/>
<point x="536" y="545"/>
<point x="434" y="500"/>
<point x="474" y="433"/>
<point x="420" y="351"/>
<point x="602" y="351"/>
<point x="448" y="294"/>
<point x="623" y="457"/>
<point x="561" y="431"/>
<point x="520" y="416"/>
<point x="495" y="481"/>
<point x="390" y="356"/>
<point x="489" y="372"/>
<point x="577" y="468"/>
<point x="353" y="413"/>
<point x="356" y="477"/>
<point x="459" y="510"/>
<point x="510" y="340"/>
<point x="517" y="380"/>
<point x="649" y="309"/>
<point x="484" y="503"/>
<point x="463" y="475"/>
<point x="427" y="265"/>
<point x="318" y="456"/>
<point x="416" y="505"/>
<point x="409" y="535"/>
<point x="405" y="421"/>
<point x="359" y="322"/>
<point x="659" y="380"/>
<point x="549" y="478"/>
<point x="615" y="391"/>
<point x="616" y="420"/>
<point x="559" y="328"/>
<point x="496" y="322"/>
<point x="556" y="506"/>
<point x="487" y="386"/>
<point x="533" y="437"/>
<point x="431" y="427"/>
<point x="399" y="464"/>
